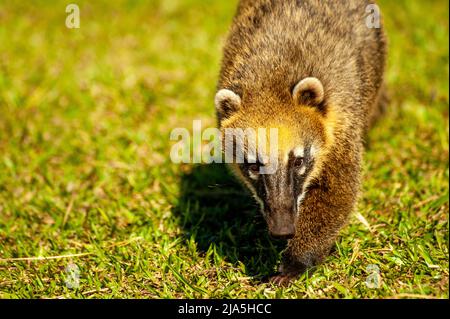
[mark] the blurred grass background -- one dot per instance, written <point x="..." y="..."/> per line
<point x="85" y="117"/>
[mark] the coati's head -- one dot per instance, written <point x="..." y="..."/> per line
<point x="301" y="145"/>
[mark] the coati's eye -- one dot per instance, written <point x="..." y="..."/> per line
<point x="298" y="162"/>
<point x="253" y="168"/>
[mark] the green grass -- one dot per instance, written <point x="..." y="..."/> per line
<point x="85" y="117"/>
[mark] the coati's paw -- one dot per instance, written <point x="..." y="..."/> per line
<point x="291" y="268"/>
<point x="287" y="272"/>
<point x="283" y="280"/>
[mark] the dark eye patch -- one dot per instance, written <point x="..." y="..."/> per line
<point x="298" y="162"/>
<point x="246" y="167"/>
<point x="303" y="164"/>
<point x="254" y="168"/>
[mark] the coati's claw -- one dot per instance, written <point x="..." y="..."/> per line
<point x="282" y="280"/>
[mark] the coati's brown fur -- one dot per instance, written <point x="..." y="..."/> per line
<point x="272" y="46"/>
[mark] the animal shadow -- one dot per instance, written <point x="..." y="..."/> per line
<point x="217" y="210"/>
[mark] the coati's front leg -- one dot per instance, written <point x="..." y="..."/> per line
<point x="325" y="209"/>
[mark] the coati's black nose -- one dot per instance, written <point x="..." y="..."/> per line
<point x="281" y="225"/>
<point x="284" y="231"/>
<point x="282" y="235"/>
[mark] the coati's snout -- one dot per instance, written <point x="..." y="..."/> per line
<point x="281" y="223"/>
<point x="282" y="192"/>
<point x="278" y="203"/>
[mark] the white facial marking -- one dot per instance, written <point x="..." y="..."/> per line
<point x="299" y="151"/>
<point x="252" y="175"/>
<point x="302" y="170"/>
<point x="300" y="200"/>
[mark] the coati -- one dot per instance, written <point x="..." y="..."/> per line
<point x="314" y="70"/>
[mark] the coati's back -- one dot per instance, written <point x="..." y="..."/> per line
<point x="275" y="43"/>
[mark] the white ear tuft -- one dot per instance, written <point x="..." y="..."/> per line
<point x="226" y="102"/>
<point x="308" y="91"/>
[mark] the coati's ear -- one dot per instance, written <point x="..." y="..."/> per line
<point x="308" y="91"/>
<point x="227" y="102"/>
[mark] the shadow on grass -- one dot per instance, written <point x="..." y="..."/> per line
<point x="217" y="210"/>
